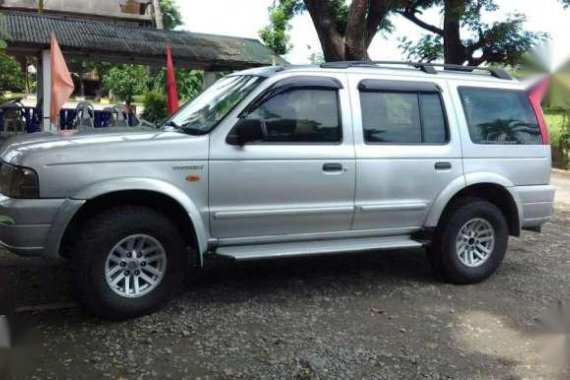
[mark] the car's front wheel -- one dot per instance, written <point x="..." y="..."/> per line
<point x="127" y="261"/>
<point x="470" y="242"/>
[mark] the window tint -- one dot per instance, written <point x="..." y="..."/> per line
<point x="433" y="119"/>
<point x="300" y="116"/>
<point x="402" y="118"/>
<point x="499" y="117"/>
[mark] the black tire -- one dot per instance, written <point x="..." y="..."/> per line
<point x="442" y="254"/>
<point x="97" y="239"/>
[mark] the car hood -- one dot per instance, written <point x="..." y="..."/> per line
<point x="102" y="145"/>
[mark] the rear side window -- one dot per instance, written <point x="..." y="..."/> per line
<point x="501" y="117"/>
<point x="393" y="117"/>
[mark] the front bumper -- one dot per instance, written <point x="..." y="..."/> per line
<point x="33" y="227"/>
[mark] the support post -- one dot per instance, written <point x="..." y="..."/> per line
<point x="44" y="89"/>
<point x="159" y="22"/>
<point x="209" y="79"/>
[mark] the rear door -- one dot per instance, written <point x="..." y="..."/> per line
<point x="407" y="150"/>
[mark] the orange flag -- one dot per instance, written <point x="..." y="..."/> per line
<point x="61" y="83"/>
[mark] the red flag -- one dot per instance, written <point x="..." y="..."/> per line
<point x="61" y="83"/>
<point x="171" y="89"/>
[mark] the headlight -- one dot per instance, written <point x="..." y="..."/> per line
<point x="18" y="182"/>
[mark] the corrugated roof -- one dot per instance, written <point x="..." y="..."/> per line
<point x="101" y="40"/>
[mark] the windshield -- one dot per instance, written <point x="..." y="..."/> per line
<point x="205" y="112"/>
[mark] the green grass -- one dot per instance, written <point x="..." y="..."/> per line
<point x="554" y="122"/>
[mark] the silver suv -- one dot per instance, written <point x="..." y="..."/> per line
<point x="286" y="161"/>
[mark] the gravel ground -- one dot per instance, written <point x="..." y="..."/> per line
<point x="378" y="315"/>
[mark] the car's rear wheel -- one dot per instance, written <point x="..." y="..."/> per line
<point x="127" y="261"/>
<point x="470" y="242"/>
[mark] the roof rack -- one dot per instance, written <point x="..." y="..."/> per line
<point x="426" y="67"/>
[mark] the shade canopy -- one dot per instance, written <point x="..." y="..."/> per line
<point x="27" y="34"/>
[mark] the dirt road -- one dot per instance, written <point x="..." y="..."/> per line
<point x="379" y="315"/>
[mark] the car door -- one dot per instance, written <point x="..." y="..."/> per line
<point x="407" y="150"/>
<point x="297" y="177"/>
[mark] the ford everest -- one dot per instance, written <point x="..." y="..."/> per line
<point x="286" y="161"/>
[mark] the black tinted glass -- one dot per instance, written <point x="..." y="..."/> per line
<point x="433" y="119"/>
<point x="499" y="117"/>
<point x="301" y="116"/>
<point x="391" y="117"/>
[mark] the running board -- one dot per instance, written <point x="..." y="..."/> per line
<point x="267" y="251"/>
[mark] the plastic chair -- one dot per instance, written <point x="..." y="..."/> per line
<point x="13" y="118"/>
<point x="84" y="116"/>
<point x="118" y="118"/>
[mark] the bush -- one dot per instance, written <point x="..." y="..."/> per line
<point x="564" y="139"/>
<point x="155" y="107"/>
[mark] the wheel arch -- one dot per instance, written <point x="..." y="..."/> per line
<point x="488" y="186"/>
<point x="162" y="196"/>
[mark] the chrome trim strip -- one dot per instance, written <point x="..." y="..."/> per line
<point x="393" y="207"/>
<point x="281" y="212"/>
<point x="22" y="251"/>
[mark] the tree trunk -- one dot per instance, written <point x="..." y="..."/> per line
<point x="453" y="49"/>
<point x="355" y="40"/>
<point x="364" y="18"/>
<point x="332" y="42"/>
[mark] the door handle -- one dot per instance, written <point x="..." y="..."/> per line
<point x="442" y="165"/>
<point x="332" y="167"/>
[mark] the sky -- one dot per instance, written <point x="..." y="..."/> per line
<point x="244" y="18"/>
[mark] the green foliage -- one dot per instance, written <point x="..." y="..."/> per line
<point x="12" y="77"/>
<point x="563" y="140"/>
<point x="155" y="107"/>
<point x="274" y="35"/>
<point x="170" y="14"/>
<point x="429" y="48"/>
<point x="189" y="83"/>
<point x="502" y="42"/>
<point x="125" y="81"/>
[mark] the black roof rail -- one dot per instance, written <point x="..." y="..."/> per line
<point x="426" y="67"/>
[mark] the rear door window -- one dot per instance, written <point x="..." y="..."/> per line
<point x="407" y="116"/>
<point x="503" y="117"/>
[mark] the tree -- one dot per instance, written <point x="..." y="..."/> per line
<point x="189" y="82"/>
<point x="502" y="42"/>
<point x="345" y="30"/>
<point x="12" y="77"/>
<point x="126" y="81"/>
<point x="170" y="14"/>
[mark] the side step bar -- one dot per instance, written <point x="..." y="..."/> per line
<point x="267" y="251"/>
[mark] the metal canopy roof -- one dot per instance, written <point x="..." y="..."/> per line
<point x="29" y="33"/>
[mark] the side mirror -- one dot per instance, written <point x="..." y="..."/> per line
<point x="245" y="131"/>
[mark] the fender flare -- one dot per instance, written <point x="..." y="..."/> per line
<point x="157" y="186"/>
<point x="463" y="182"/>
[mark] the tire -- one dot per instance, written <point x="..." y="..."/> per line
<point x="471" y="260"/>
<point x="101" y="255"/>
